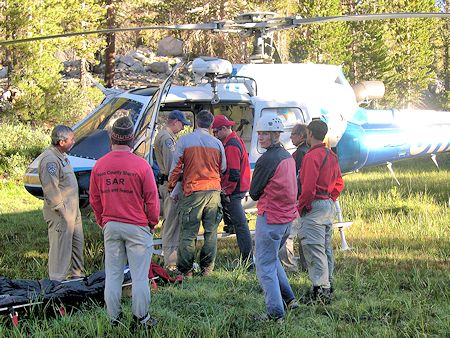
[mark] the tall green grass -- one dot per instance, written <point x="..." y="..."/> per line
<point x="395" y="281"/>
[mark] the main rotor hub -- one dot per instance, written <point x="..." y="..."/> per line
<point x="252" y="17"/>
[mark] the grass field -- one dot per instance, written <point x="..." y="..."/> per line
<point x="395" y="281"/>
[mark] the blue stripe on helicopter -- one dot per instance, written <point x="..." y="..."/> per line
<point x="78" y="169"/>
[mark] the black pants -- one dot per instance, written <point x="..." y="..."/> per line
<point x="234" y="216"/>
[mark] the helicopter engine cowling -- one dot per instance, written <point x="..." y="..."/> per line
<point x="368" y="90"/>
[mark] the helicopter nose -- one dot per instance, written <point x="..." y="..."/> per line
<point x="32" y="183"/>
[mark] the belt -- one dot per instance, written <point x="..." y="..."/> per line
<point x="323" y="193"/>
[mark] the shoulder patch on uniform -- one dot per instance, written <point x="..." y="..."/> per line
<point x="170" y="144"/>
<point x="52" y="168"/>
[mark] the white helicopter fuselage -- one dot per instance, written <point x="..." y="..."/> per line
<point x="297" y="93"/>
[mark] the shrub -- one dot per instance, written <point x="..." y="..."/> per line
<point x="72" y="103"/>
<point x="65" y="105"/>
<point x="19" y="145"/>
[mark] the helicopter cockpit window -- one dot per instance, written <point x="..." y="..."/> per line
<point x="290" y="117"/>
<point x="162" y="119"/>
<point x="122" y="107"/>
<point x="105" y="116"/>
<point x="242" y="115"/>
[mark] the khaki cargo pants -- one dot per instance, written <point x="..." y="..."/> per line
<point x="200" y="207"/>
<point x="316" y="230"/>
<point x="170" y="233"/>
<point x="66" y="241"/>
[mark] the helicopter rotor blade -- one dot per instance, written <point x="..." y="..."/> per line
<point x="212" y="26"/>
<point x="368" y="17"/>
<point x="236" y="26"/>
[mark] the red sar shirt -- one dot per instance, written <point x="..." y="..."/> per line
<point x="319" y="179"/>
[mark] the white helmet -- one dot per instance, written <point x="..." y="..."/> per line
<point x="270" y="122"/>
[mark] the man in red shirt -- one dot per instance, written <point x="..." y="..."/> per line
<point x="235" y="183"/>
<point x="321" y="183"/>
<point x="124" y="198"/>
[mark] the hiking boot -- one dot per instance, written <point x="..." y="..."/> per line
<point x="292" y="304"/>
<point x="117" y="321"/>
<point x="146" y="322"/>
<point x="185" y="275"/>
<point x="229" y="229"/>
<point x="317" y="294"/>
<point x="264" y="317"/>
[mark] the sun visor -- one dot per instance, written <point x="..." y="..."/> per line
<point x="93" y="146"/>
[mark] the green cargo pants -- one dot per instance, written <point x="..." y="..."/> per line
<point x="204" y="207"/>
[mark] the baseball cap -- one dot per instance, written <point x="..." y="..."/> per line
<point x="179" y="115"/>
<point x="222" y="120"/>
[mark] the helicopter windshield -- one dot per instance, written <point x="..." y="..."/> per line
<point x="92" y="134"/>
<point x="106" y="115"/>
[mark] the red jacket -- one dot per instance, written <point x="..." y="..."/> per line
<point x="237" y="177"/>
<point x="274" y="185"/>
<point x="320" y="178"/>
<point x="123" y="189"/>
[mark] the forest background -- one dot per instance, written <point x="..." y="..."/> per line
<point x="411" y="56"/>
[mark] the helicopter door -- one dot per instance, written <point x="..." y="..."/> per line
<point x="146" y="130"/>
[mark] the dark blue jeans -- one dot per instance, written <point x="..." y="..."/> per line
<point x="234" y="216"/>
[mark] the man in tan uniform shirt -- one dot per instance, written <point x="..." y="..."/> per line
<point x="164" y="149"/>
<point x="61" y="207"/>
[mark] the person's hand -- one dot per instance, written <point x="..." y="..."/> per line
<point x="225" y="198"/>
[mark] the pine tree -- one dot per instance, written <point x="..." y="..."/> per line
<point x="408" y="42"/>
<point x="441" y="65"/>
<point x="36" y="81"/>
<point x="320" y="43"/>
<point x="369" y="56"/>
<point x="34" y="69"/>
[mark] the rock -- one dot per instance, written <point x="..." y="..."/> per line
<point x="72" y="68"/>
<point x="65" y="55"/>
<point x="128" y="60"/>
<point x="138" y="56"/>
<point x="159" y="67"/>
<point x="100" y="68"/>
<point x="3" y="72"/>
<point x="147" y="52"/>
<point x="170" y="46"/>
<point x="121" y="66"/>
<point x="137" y="67"/>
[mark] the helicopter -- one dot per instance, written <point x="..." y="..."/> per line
<point x="297" y="93"/>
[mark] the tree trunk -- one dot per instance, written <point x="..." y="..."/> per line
<point x="110" y="51"/>
<point x="138" y="41"/>
<point x="83" y="79"/>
